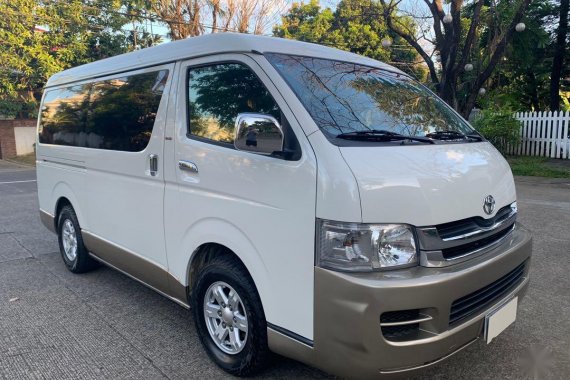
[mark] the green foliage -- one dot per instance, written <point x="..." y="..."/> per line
<point x="37" y="41"/>
<point x="9" y="108"/>
<point x="498" y="126"/>
<point x="307" y="22"/>
<point x="353" y="26"/>
<point x="522" y="78"/>
<point x="40" y="38"/>
<point x="14" y="107"/>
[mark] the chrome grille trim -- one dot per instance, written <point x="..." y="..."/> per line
<point x="436" y="259"/>
<point x="440" y="247"/>
<point x="430" y="239"/>
<point x="497" y="223"/>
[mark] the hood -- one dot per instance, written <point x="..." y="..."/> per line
<point x="429" y="184"/>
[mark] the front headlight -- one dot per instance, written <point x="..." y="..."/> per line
<point x="357" y="247"/>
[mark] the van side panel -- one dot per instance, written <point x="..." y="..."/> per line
<point x="262" y="208"/>
<point x="61" y="173"/>
<point x="125" y="197"/>
<point x="96" y="143"/>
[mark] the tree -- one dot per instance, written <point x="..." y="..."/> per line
<point x="215" y="5"/>
<point x="188" y="18"/>
<point x="457" y="42"/>
<point x="40" y="38"/>
<point x="349" y="28"/>
<point x="37" y="41"/>
<point x="249" y="16"/>
<point x="307" y="22"/>
<point x="183" y="17"/>
<point x="559" y="53"/>
<point x="521" y="80"/>
<point x="363" y="33"/>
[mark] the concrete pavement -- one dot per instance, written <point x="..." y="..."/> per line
<point x="103" y="325"/>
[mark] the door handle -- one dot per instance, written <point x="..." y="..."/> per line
<point x="187" y="166"/>
<point x="153" y="164"/>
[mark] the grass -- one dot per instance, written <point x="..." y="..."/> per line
<point x="539" y="167"/>
<point x="27" y="159"/>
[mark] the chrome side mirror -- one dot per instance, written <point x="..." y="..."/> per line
<point x="258" y="133"/>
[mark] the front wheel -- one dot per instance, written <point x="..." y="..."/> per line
<point x="229" y="317"/>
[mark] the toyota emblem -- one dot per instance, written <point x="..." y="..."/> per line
<point x="489" y="205"/>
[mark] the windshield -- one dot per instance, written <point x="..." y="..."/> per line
<point x="346" y="98"/>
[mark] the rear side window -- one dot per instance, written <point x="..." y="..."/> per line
<point x="114" y="114"/>
<point x="218" y="93"/>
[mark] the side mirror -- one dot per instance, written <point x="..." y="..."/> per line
<point x="258" y="133"/>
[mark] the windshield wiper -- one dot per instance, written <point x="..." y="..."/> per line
<point x="381" y="135"/>
<point x="452" y="135"/>
<point x="475" y="136"/>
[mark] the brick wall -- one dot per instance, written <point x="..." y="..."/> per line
<point x="8" y="138"/>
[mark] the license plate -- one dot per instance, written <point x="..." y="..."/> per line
<point x="499" y="319"/>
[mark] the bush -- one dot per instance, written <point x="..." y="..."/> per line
<point x="9" y="108"/>
<point x="13" y="107"/>
<point x="499" y="127"/>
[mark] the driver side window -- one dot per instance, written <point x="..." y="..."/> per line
<point x="218" y="93"/>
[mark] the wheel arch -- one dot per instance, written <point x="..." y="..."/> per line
<point x="63" y="195"/>
<point x="212" y="237"/>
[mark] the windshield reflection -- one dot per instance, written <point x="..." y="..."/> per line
<point x="344" y="97"/>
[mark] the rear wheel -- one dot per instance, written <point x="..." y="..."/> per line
<point x="74" y="254"/>
<point x="229" y="317"/>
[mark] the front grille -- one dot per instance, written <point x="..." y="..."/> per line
<point x="458" y="250"/>
<point x="474" y="302"/>
<point x="450" y="243"/>
<point x="465" y="226"/>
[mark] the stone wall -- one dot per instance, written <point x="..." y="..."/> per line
<point x="8" y="136"/>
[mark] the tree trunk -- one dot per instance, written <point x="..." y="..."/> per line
<point x="215" y="12"/>
<point x="469" y="104"/>
<point x="558" y="61"/>
<point x="448" y="91"/>
<point x="134" y="36"/>
<point x="534" y="101"/>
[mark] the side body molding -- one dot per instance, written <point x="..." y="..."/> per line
<point x="136" y="267"/>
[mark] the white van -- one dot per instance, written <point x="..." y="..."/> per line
<point x="300" y="199"/>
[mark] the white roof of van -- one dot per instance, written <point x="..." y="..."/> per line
<point x="216" y="43"/>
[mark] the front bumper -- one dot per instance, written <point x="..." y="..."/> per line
<point x="348" y="339"/>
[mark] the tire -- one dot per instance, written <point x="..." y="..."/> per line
<point x="227" y="274"/>
<point x="74" y="254"/>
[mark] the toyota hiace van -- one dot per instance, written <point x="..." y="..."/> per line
<point x="299" y="199"/>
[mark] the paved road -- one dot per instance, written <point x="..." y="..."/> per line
<point x="105" y="325"/>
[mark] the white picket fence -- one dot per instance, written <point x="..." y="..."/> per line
<point x="543" y="134"/>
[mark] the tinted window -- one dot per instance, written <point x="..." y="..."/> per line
<point x="345" y="97"/>
<point x="218" y="93"/>
<point x="115" y="114"/>
<point x="64" y="115"/>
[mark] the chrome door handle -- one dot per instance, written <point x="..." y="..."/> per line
<point x="187" y="166"/>
<point x="153" y="164"/>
